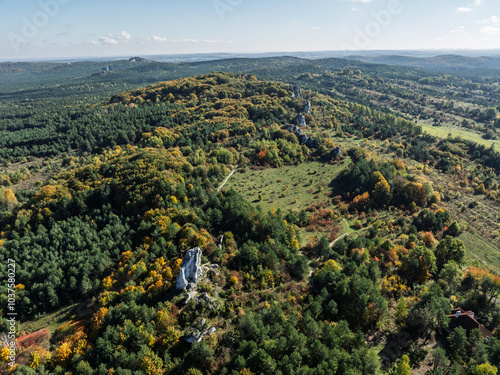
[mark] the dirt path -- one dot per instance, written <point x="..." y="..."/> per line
<point x="333" y="242"/>
<point x="227" y="178"/>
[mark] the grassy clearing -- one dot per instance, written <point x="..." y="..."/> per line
<point x="49" y="321"/>
<point x="443" y="131"/>
<point x="289" y="188"/>
<point x="479" y="250"/>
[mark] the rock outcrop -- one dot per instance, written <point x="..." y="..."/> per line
<point x="207" y="300"/>
<point x="307" y="108"/>
<point x="301" y="137"/>
<point x="200" y="332"/>
<point x="337" y="151"/>
<point x="301" y="120"/>
<point x="190" y="270"/>
<point x="213" y="269"/>
<point x="294" y="129"/>
<point x="297" y="92"/>
<point x="220" y="241"/>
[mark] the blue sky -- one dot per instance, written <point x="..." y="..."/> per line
<point x="79" y="28"/>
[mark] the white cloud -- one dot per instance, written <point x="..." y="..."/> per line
<point x="355" y="9"/>
<point x="492" y="19"/>
<point x="361" y="1"/>
<point x="316" y="28"/>
<point x="488" y="30"/>
<point x="188" y="40"/>
<point x="125" y="35"/>
<point x="478" y="2"/>
<point x="108" y="40"/>
<point x="464" y="10"/>
<point x="113" y="39"/>
<point x="157" y="39"/>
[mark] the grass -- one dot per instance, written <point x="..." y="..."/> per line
<point x="477" y="250"/>
<point x="289" y="188"/>
<point x="443" y="131"/>
<point x="49" y="321"/>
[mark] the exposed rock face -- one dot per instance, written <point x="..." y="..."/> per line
<point x="200" y="332"/>
<point x="294" y="129"/>
<point x="210" y="302"/>
<point x="297" y="92"/>
<point x="190" y="269"/>
<point x="301" y="137"/>
<point x="307" y="108"/>
<point x="213" y="269"/>
<point x="220" y="241"/>
<point x="337" y="151"/>
<point x="301" y="119"/>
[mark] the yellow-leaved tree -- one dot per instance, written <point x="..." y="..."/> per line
<point x="34" y="360"/>
<point x="382" y="191"/>
<point x="7" y="199"/>
<point x="63" y="353"/>
<point x="4" y="354"/>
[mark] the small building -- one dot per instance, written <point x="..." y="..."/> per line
<point x="466" y="320"/>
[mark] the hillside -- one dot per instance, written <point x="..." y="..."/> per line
<point x="328" y="243"/>
<point x="448" y="63"/>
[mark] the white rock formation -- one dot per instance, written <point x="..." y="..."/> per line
<point x="307" y="108"/>
<point x="200" y="333"/>
<point x="190" y="269"/>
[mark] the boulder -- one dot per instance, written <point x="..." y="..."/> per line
<point x="307" y="108"/>
<point x="200" y="332"/>
<point x="213" y="269"/>
<point x="190" y="270"/>
<point x="210" y="302"/>
<point x="301" y="119"/>
<point x="220" y="241"/>
<point x="302" y="138"/>
<point x="337" y="151"/>
<point x="297" y="92"/>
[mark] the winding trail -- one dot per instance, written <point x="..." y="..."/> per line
<point x="227" y="178"/>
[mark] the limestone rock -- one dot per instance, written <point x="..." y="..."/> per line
<point x="301" y="119"/>
<point x="337" y="151"/>
<point x="213" y="269"/>
<point x="210" y="302"/>
<point x="307" y="108"/>
<point x="200" y="332"/>
<point x="220" y="241"/>
<point x="190" y="270"/>
<point x="297" y="92"/>
<point x="188" y="298"/>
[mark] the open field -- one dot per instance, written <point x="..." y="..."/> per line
<point x="443" y="131"/>
<point x="481" y="251"/>
<point x="289" y="188"/>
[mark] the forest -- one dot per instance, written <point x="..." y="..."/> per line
<point x="108" y="180"/>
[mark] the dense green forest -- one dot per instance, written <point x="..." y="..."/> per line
<point x="110" y="177"/>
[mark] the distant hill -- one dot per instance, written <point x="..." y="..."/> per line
<point x="439" y="63"/>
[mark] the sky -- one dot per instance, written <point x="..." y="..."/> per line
<point x="49" y="29"/>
